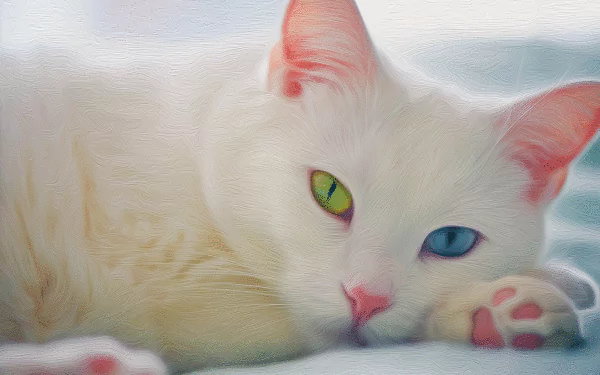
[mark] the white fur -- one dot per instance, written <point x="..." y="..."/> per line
<point x="169" y="145"/>
<point x="69" y="357"/>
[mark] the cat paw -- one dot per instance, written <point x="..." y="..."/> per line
<point x="80" y="356"/>
<point x="516" y="311"/>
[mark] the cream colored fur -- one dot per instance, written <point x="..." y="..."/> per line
<point x="159" y="195"/>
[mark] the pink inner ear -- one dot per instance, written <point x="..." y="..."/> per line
<point x="551" y="130"/>
<point x="322" y="41"/>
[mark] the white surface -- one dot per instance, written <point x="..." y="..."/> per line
<point x="434" y="359"/>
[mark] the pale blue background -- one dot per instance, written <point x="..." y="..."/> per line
<point x="489" y="47"/>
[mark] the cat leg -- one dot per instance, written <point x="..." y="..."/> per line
<point x="78" y="356"/>
<point x="525" y="312"/>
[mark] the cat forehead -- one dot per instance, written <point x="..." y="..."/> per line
<point x="424" y="163"/>
<point x="384" y="134"/>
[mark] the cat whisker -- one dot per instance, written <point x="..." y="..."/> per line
<point x="222" y="269"/>
<point x="266" y="305"/>
<point x="521" y="64"/>
<point x="255" y="286"/>
<point x="250" y="332"/>
<point x="228" y="292"/>
<point x="227" y="272"/>
<point x="242" y="289"/>
<point x="532" y="106"/>
<point x="488" y="154"/>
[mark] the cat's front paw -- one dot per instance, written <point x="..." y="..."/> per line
<point x="80" y="356"/>
<point x="518" y="311"/>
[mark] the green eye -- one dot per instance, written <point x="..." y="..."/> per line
<point x="330" y="194"/>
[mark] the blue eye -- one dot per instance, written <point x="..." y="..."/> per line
<point x="451" y="241"/>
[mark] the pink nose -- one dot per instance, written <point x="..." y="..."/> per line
<point x="365" y="305"/>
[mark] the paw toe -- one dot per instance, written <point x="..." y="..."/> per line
<point x="502" y="295"/>
<point x="528" y="341"/>
<point x="484" y="330"/>
<point x="102" y="365"/>
<point x="526" y="311"/>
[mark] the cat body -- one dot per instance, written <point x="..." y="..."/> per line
<point x="91" y="250"/>
<point x="163" y="197"/>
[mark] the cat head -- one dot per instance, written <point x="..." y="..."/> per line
<point x="339" y="183"/>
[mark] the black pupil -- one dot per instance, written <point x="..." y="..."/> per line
<point x="451" y="237"/>
<point x="331" y="190"/>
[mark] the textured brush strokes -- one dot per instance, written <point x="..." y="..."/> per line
<point x="114" y="209"/>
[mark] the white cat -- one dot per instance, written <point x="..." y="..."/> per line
<point x="177" y="202"/>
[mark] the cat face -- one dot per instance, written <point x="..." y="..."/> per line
<point x="341" y="179"/>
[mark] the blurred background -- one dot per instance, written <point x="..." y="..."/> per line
<point x="495" y="48"/>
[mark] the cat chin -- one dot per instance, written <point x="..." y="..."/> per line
<point x="348" y="337"/>
<point x="344" y="337"/>
<point x="342" y="333"/>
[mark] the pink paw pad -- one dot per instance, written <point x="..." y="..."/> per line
<point x="484" y="331"/>
<point x="528" y="341"/>
<point x="526" y="311"/>
<point x="102" y="365"/>
<point x="502" y="295"/>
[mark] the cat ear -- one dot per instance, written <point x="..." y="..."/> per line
<point x="546" y="133"/>
<point x="323" y="41"/>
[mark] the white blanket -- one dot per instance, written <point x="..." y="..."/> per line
<point x="434" y="359"/>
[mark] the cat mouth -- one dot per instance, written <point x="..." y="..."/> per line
<point x="352" y="336"/>
<point x="357" y="338"/>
